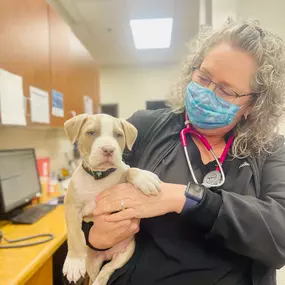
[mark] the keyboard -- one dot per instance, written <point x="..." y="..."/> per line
<point x="33" y="214"/>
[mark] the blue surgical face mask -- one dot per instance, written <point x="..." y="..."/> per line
<point x="205" y="111"/>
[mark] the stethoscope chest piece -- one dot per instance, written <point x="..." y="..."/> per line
<point x="212" y="179"/>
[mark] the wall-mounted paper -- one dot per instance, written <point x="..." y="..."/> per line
<point x="88" y="105"/>
<point x="12" y="99"/>
<point x="57" y="104"/>
<point x="39" y="105"/>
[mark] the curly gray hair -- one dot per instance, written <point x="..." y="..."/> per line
<point x="257" y="133"/>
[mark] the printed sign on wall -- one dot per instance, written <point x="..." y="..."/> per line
<point x="57" y="104"/>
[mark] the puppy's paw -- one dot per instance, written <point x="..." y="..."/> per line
<point x="74" y="268"/>
<point x="146" y="181"/>
<point x="88" y="208"/>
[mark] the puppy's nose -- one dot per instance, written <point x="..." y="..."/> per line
<point x="108" y="150"/>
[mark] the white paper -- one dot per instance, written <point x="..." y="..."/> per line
<point x="39" y="100"/>
<point x="88" y="105"/>
<point x="12" y="99"/>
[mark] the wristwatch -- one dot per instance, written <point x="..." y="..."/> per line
<point x="195" y="192"/>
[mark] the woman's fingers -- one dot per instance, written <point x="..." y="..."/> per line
<point x="103" y="195"/>
<point x="113" y="191"/>
<point x="105" y="234"/>
<point x="120" y="216"/>
<point x="132" y="229"/>
<point x="108" y="207"/>
<point x="127" y="229"/>
<point x="125" y="224"/>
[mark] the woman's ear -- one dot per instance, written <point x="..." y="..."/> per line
<point x="247" y="112"/>
<point x="130" y="133"/>
<point x="73" y="126"/>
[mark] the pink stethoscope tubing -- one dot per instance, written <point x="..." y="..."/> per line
<point x="190" y="131"/>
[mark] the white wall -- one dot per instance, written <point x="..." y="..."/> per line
<point x="221" y="10"/>
<point x="47" y="142"/>
<point x="270" y="14"/>
<point x="132" y="87"/>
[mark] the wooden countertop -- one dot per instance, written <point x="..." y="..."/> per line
<point x="18" y="265"/>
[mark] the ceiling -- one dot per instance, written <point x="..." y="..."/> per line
<point x="103" y="27"/>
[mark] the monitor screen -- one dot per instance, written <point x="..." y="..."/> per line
<point x="154" y="105"/>
<point x="19" y="180"/>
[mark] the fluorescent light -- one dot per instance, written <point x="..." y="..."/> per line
<point x="152" y="33"/>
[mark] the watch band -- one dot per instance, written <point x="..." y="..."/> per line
<point x="190" y="203"/>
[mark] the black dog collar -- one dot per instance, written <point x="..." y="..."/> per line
<point x="98" y="174"/>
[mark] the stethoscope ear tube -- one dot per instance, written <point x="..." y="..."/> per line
<point x="190" y="165"/>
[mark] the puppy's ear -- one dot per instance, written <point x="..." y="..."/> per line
<point x="130" y="133"/>
<point x="73" y="126"/>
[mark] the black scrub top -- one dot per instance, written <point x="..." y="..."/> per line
<point x="176" y="252"/>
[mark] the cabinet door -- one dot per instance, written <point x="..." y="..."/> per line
<point x="73" y="71"/>
<point x="84" y="81"/>
<point x="59" y="62"/>
<point x="24" y="42"/>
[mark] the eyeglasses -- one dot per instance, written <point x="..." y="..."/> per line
<point x="220" y="90"/>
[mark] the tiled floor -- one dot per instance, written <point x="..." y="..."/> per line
<point x="281" y="276"/>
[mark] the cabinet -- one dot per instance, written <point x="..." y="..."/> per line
<point x="73" y="71"/>
<point x="24" y="42"/>
<point x="37" y="44"/>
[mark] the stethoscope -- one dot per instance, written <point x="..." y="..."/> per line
<point x="214" y="178"/>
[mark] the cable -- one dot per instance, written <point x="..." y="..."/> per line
<point x="49" y="237"/>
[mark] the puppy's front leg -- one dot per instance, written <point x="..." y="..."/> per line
<point x="75" y="262"/>
<point x="146" y="181"/>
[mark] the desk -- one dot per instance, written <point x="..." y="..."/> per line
<point x="32" y="265"/>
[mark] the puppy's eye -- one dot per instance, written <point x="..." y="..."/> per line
<point x="91" y="133"/>
<point x="118" y="136"/>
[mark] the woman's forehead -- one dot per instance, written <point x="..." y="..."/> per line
<point x="229" y="65"/>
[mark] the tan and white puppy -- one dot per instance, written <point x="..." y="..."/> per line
<point x="101" y="141"/>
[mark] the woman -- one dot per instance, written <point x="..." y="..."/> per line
<point x="232" y="92"/>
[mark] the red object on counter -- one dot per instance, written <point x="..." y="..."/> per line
<point x="43" y="165"/>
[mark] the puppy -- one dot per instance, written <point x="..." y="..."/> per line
<point x="101" y="141"/>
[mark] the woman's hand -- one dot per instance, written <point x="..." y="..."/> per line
<point x="136" y="204"/>
<point x="104" y="234"/>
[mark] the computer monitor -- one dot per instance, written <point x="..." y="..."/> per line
<point x="154" y="105"/>
<point x="19" y="179"/>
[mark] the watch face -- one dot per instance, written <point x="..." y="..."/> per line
<point x="195" y="191"/>
<point x="196" y="188"/>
